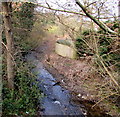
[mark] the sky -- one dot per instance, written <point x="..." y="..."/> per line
<point x="111" y="5"/>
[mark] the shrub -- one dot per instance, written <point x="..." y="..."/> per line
<point x="23" y="100"/>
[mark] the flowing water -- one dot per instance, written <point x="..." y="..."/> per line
<point x="56" y="100"/>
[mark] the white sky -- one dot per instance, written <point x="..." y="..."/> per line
<point x="112" y="5"/>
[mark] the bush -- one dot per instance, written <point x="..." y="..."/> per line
<point x="82" y="43"/>
<point x="23" y="100"/>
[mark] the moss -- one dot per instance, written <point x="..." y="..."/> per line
<point x="64" y="42"/>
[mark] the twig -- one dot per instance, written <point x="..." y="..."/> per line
<point x="9" y="53"/>
<point x="104" y="98"/>
<point x="112" y="78"/>
<point x="99" y="23"/>
<point x="60" y="10"/>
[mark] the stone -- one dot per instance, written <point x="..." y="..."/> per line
<point x="66" y="48"/>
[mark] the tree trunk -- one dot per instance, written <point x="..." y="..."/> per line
<point x="119" y="16"/>
<point x="0" y="61"/>
<point x="99" y="23"/>
<point x="9" y="40"/>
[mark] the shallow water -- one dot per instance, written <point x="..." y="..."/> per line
<point x="56" y="100"/>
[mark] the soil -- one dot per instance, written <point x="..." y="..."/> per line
<point x="77" y="76"/>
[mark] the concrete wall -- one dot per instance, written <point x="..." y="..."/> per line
<point x="65" y="51"/>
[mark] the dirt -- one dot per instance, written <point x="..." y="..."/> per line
<point x="76" y="76"/>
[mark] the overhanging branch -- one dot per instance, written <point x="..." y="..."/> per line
<point x="99" y="23"/>
<point x="60" y="10"/>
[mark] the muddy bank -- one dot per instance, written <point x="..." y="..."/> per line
<point x="82" y="99"/>
<point x="84" y="84"/>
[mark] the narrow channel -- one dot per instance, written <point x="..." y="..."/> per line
<point x="57" y="99"/>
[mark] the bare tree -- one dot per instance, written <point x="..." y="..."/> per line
<point x="86" y="11"/>
<point x="9" y="40"/>
<point x="99" y="23"/>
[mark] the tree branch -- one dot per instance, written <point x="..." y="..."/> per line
<point x="60" y="10"/>
<point x="99" y="23"/>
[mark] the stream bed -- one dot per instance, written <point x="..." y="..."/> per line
<point x="56" y="100"/>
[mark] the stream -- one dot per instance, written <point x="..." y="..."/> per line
<point x="56" y="100"/>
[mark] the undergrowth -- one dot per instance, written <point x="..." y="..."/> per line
<point x="104" y="50"/>
<point x="23" y="100"/>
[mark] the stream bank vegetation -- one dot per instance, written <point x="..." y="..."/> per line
<point x="22" y="98"/>
<point x="103" y="51"/>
